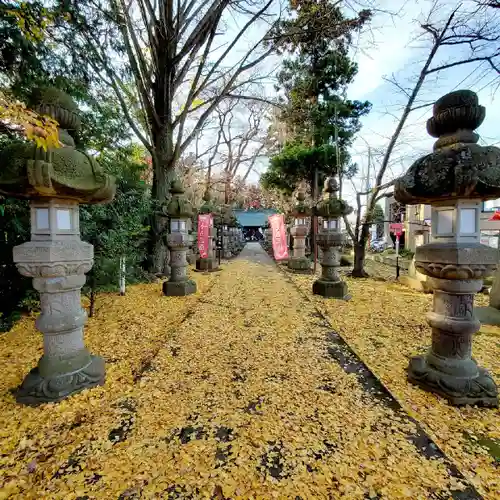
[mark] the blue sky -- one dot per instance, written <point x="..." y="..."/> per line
<point x="395" y="50"/>
<point x="393" y="45"/>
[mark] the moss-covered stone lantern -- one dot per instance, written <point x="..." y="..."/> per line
<point x="227" y="223"/>
<point x="179" y="210"/>
<point x="210" y="263"/>
<point x="454" y="180"/>
<point x="329" y="239"/>
<point x="300" y="213"/>
<point x="56" y="181"/>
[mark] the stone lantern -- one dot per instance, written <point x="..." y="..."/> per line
<point x="210" y="263"/>
<point x="227" y="220"/>
<point x="298" y="261"/>
<point x="179" y="210"/>
<point x="454" y="179"/>
<point x="193" y="237"/>
<point x="56" y="181"/>
<point x="329" y="239"/>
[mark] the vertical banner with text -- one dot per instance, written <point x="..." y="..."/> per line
<point x="277" y="224"/>
<point x="204" y="225"/>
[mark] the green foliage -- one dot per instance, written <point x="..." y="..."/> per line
<point x="406" y="253"/>
<point x="298" y="162"/>
<point x="119" y="228"/>
<point x="321" y="120"/>
<point x="14" y="230"/>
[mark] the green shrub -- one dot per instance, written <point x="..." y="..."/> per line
<point x="346" y="260"/>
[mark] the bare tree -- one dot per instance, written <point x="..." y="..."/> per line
<point x="156" y="54"/>
<point x="474" y="34"/>
<point x="240" y="142"/>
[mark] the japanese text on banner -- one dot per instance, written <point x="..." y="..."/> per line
<point x="204" y="224"/>
<point x="280" y="248"/>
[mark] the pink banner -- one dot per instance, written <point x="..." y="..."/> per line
<point x="204" y="225"/>
<point x="280" y="248"/>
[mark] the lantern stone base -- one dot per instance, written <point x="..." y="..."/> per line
<point x="38" y="389"/>
<point x="331" y="289"/>
<point x="179" y="288"/>
<point x="209" y="264"/>
<point x="459" y="390"/>
<point x="299" y="264"/>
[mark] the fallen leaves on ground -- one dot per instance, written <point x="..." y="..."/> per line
<point x="385" y="325"/>
<point x="242" y="399"/>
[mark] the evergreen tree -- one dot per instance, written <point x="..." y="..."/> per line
<point x="319" y="119"/>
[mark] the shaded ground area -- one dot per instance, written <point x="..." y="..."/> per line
<point x="241" y="391"/>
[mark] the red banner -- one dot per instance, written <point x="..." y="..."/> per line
<point x="204" y="225"/>
<point x="280" y="248"/>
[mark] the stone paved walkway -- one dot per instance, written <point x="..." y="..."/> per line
<point x="253" y="396"/>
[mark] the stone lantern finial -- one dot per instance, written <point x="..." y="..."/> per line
<point x="56" y="181"/>
<point x="455" y="117"/>
<point x="331" y="187"/>
<point x="454" y="179"/>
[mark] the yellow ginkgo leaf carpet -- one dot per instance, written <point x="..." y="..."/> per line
<point x="240" y="391"/>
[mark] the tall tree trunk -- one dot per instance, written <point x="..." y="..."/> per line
<point x="360" y="254"/>
<point x="164" y="173"/>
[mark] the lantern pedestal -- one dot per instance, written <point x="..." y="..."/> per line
<point x="455" y="272"/>
<point x="329" y="284"/>
<point x="298" y="262"/>
<point x="178" y="284"/>
<point x="57" y="260"/>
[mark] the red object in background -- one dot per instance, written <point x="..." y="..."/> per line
<point x="396" y="228"/>
<point x="495" y="216"/>
<point x="280" y="248"/>
<point x="204" y="224"/>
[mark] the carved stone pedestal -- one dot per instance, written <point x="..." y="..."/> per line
<point x="329" y="284"/>
<point x="455" y="273"/>
<point x="298" y="262"/>
<point x="178" y="283"/>
<point x="57" y="260"/>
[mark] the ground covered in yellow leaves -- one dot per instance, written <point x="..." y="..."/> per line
<point x="385" y="325"/>
<point x="240" y="391"/>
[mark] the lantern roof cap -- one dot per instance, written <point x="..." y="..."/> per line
<point x="301" y="209"/>
<point x="28" y="171"/>
<point x="331" y="206"/>
<point x="207" y="207"/>
<point x="179" y="206"/>
<point x="458" y="168"/>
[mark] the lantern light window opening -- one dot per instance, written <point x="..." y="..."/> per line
<point x="177" y="226"/>
<point x="330" y="223"/>
<point x="63" y="218"/>
<point x="467" y="221"/>
<point x="445" y="222"/>
<point x="42" y="218"/>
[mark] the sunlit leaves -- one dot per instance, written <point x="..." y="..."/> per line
<point x="15" y="116"/>
<point x="233" y="394"/>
